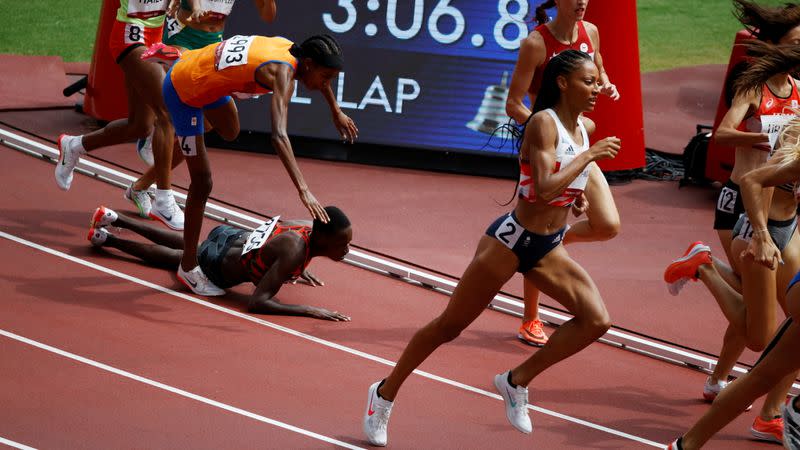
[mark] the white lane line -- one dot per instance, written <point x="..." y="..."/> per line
<point x="11" y="443"/>
<point x="314" y="339"/>
<point x="174" y="390"/>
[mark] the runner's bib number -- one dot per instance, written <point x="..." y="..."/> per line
<point x="772" y="125"/>
<point x="727" y="200"/>
<point x="174" y="26"/>
<point x="134" y="34"/>
<point x="746" y="233"/>
<point x="145" y="9"/>
<point x="261" y="234"/>
<point x="233" y="52"/>
<point x="509" y="232"/>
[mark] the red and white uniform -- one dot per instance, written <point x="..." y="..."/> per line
<point x="553" y="47"/>
<point x="566" y="152"/>
<point x="773" y="114"/>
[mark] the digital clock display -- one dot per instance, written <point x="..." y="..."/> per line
<point x="418" y="73"/>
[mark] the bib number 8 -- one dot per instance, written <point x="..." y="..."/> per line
<point x="134" y="34"/>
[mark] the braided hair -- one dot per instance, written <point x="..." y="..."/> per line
<point x="322" y="49"/>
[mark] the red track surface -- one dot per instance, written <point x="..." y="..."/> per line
<point x="434" y="220"/>
<point x="51" y="401"/>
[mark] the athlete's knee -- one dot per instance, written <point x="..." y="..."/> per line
<point x="757" y="343"/>
<point x="202" y="182"/>
<point x="228" y="133"/>
<point x="597" y="323"/>
<point x="140" y="129"/>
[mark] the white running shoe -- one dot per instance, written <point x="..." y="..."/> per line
<point x="791" y="426"/>
<point x="197" y="281"/>
<point x="141" y="199"/>
<point x="144" y="147"/>
<point x="68" y="158"/>
<point x="98" y="236"/>
<point x="711" y="390"/>
<point x="376" y="417"/>
<point x="516" y="401"/>
<point x="168" y="213"/>
<point x="103" y="217"/>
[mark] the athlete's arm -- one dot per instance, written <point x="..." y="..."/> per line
<point x="198" y="13"/>
<point x="291" y="256"/>
<point x="279" y="77"/>
<point x="727" y="134"/>
<point x="542" y="135"/>
<point x="344" y="124"/>
<point x="172" y="9"/>
<point x="531" y="56"/>
<point x="606" y="87"/>
<point x="266" y="9"/>
<point x="752" y="185"/>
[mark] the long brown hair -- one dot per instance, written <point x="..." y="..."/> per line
<point x="767" y="60"/>
<point x="767" y="23"/>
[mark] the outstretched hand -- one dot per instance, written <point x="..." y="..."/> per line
<point x="345" y="126"/>
<point x="313" y="206"/>
<point x="324" y="314"/>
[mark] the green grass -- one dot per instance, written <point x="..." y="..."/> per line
<point x="49" y="27"/>
<point x="672" y="33"/>
<point x="675" y="33"/>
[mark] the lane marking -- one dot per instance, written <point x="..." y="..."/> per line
<point x="314" y="339"/>
<point x="175" y="390"/>
<point x="11" y="443"/>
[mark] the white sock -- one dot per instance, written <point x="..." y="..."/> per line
<point x="163" y="195"/>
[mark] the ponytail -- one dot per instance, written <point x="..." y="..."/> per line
<point x="541" y="11"/>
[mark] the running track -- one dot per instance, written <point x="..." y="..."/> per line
<point x="97" y="350"/>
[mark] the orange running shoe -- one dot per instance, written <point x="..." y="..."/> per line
<point x="685" y="268"/>
<point x="768" y="430"/>
<point x="532" y="333"/>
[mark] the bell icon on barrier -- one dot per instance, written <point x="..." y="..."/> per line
<point x="492" y="112"/>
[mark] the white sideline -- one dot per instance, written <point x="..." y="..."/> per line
<point x="174" y="390"/>
<point x="314" y="339"/>
<point x="11" y="443"/>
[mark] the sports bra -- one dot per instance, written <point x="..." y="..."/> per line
<point x="566" y="152"/>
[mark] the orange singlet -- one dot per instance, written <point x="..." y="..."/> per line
<point x="203" y="76"/>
